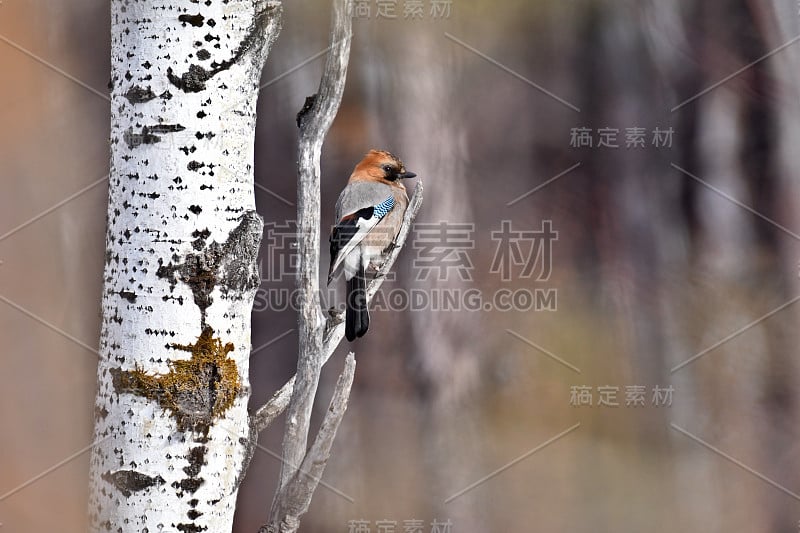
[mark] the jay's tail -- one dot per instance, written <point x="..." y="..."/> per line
<point x="357" y="314"/>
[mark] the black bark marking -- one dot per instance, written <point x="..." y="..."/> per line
<point x="128" y="295"/>
<point x="130" y="481"/>
<point x="189" y="485"/>
<point x="191" y="528"/>
<point x="192" y="81"/>
<point x="200" y="237"/>
<point x="203" y="54"/>
<point x="166" y="128"/>
<point x="148" y="135"/>
<point x="231" y="265"/>
<point x="196" y="458"/>
<point x="199" y="272"/>
<point x="195" y="78"/>
<point x="194" y="20"/>
<point x="196" y="209"/>
<point x="138" y="94"/>
<point x="307" y="105"/>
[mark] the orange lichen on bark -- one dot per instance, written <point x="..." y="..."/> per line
<point x="195" y="390"/>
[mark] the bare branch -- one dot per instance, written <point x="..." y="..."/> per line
<point x="267" y="413"/>
<point x="314" y="125"/>
<point x="314" y="120"/>
<point x="318" y="335"/>
<point x="294" y="500"/>
<point x="334" y="330"/>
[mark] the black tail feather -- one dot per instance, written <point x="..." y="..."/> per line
<point x="362" y="287"/>
<point x="357" y="313"/>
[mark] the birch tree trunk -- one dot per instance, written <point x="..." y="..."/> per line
<point x="171" y="421"/>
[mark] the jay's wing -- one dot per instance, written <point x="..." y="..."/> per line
<point x="353" y="228"/>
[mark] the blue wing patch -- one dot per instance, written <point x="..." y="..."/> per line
<point x="384" y="207"/>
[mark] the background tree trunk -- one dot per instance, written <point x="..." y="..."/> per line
<point x="171" y="421"/>
<point x="445" y="365"/>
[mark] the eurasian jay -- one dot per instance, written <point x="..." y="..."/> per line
<point x="370" y="212"/>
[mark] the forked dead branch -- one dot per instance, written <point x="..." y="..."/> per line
<point x="319" y="332"/>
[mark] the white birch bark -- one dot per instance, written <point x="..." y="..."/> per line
<point x="171" y="421"/>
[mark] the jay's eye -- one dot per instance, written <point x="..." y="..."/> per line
<point x="387" y="168"/>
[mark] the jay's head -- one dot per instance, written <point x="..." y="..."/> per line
<point x="379" y="165"/>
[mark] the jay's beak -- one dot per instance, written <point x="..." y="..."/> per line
<point x="406" y="175"/>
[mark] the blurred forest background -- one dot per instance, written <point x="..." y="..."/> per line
<point x="667" y="252"/>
